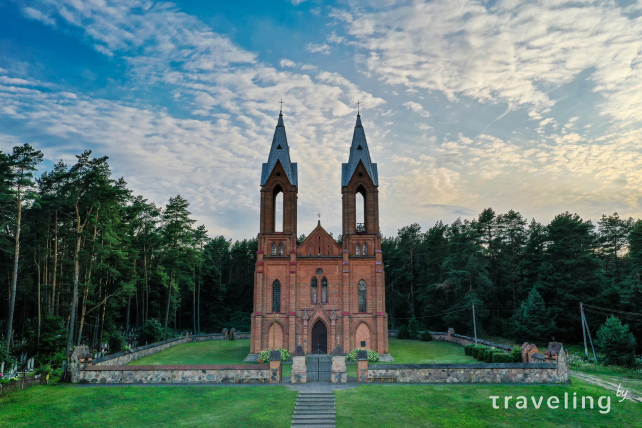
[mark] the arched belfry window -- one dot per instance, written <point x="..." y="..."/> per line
<point x="313" y="290"/>
<point x="280" y="249"/>
<point x="361" y="209"/>
<point x="278" y="208"/>
<point x="358" y="250"/>
<point x="365" y="249"/>
<point x="324" y="290"/>
<point x="276" y="296"/>
<point x="329" y="250"/>
<point x="274" y="249"/>
<point x="362" y="296"/>
<point x="310" y="250"/>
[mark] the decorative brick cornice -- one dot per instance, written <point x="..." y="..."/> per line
<point x="346" y="263"/>
<point x="292" y="251"/>
<point x="345" y="251"/>
<point x="346" y="271"/>
<point x="259" y="252"/>
<point x="378" y="271"/>
<point x="292" y="263"/>
<point x="292" y="313"/>
<point x="378" y="251"/>
<point x="346" y="314"/>
<point x="292" y="271"/>
<point x="259" y="271"/>
<point x="378" y="263"/>
<point x="258" y="313"/>
<point x="379" y="314"/>
<point x="259" y="263"/>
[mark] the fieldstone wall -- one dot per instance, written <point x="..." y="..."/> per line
<point x="234" y="373"/>
<point x="474" y="373"/>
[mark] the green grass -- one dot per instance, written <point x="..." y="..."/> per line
<point x="434" y="352"/>
<point x="469" y="406"/>
<point x="208" y="352"/>
<point x="135" y="406"/>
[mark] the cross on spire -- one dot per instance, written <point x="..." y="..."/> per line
<point x="281" y="110"/>
<point x="358" y="102"/>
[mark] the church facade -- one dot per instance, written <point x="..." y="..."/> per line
<point x="320" y="293"/>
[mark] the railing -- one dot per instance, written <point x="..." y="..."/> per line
<point x="361" y="227"/>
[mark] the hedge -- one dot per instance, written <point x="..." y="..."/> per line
<point x="500" y="357"/>
<point x="468" y="349"/>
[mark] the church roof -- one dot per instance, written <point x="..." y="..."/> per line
<point x="359" y="153"/>
<point x="279" y="152"/>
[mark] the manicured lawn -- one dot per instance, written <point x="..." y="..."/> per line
<point x="136" y="406"/>
<point x="470" y="406"/>
<point x="417" y="352"/>
<point x="209" y="352"/>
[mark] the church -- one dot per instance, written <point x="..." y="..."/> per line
<point x="319" y="294"/>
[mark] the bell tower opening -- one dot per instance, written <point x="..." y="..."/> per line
<point x="361" y="209"/>
<point x="278" y="209"/>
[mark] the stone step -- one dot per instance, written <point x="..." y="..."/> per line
<point x="314" y="412"/>
<point x="308" y="425"/>
<point x="314" y="406"/>
<point x="315" y="416"/>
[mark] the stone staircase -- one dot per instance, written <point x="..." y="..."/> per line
<point x="315" y="410"/>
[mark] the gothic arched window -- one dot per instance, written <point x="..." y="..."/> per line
<point x="276" y="296"/>
<point x="365" y="249"/>
<point x="358" y="250"/>
<point x="310" y="250"/>
<point x="313" y="290"/>
<point x="274" y="249"/>
<point x="280" y="249"/>
<point x="324" y="290"/>
<point x="329" y="250"/>
<point x="362" y="296"/>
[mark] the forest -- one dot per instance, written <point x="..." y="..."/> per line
<point x="84" y="259"/>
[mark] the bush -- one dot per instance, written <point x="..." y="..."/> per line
<point x="502" y="357"/>
<point x="265" y="355"/>
<point x="373" y="356"/>
<point x="616" y="342"/>
<point x="479" y="352"/>
<point x="44" y="370"/>
<point x="468" y="349"/>
<point x="488" y="355"/>
<point x="425" y="336"/>
<point x="150" y="332"/>
<point x="403" y="332"/>
<point x="116" y="342"/>
<point x="516" y="354"/>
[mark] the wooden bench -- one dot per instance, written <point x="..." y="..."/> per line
<point x="261" y="378"/>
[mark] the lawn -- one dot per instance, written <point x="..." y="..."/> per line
<point x="470" y="406"/>
<point x="417" y="352"/>
<point x="137" y="406"/>
<point x="208" y="352"/>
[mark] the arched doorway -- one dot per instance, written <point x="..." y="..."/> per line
<point x="319" y="338"/>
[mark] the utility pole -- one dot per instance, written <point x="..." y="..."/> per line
<point x="585" y="325"/>
<point x="474" y="324"/>
<point x="583" y="330"/>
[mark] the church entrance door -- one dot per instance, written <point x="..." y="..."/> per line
<point x="319" y="338"/>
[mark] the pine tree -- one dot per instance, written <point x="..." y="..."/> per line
<point x="616" y="342"/>
<point x="533" y="321"/>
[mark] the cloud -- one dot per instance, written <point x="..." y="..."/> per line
<point x="512" y="52"/>
<point x="38" y="16"/>
<point x="417" y="108"/>
<point x="333" y="38"/>
<point x="287" y="63"/>
<point x="323" y="49"/>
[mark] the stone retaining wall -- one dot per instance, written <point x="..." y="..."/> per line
<point x="233" y="373"/>
<point x="459" y="339"/>
<point x="473" y="373"/>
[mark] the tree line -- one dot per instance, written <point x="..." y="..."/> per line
<point x="525" y="279"/>
<point x="84" y="258"/>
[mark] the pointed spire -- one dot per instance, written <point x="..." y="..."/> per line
<point x="279" y="152"/>
<point x="359" y="153"/>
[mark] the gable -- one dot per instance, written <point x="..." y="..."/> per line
<point x="319" y="238"/>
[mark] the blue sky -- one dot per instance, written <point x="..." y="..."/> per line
<point x="531" y="106"/>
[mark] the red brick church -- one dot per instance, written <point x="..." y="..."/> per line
<point x="319" y="294"/>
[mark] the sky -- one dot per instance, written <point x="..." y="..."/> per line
<point x="531" y="106"/>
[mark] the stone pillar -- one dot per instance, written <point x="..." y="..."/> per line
<point x="451" y="331"/>
<point x="339" y="373"/>
<point x="275" y="366"/>
<point x="362" y="366"/>
<point x="562" y="365"/>
<point x="299" y="370"/>
<point x="225" y="333"/>
<point x="80" y="353"/>
<point x="232" y="333"/>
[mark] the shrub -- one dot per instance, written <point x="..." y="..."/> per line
<point x="44" y="370"/>
<point x="516" y="354"/>
<point x="488" y="355"/>
<point x="616" y="342"/>
<point x="116" y="342"/>
<point x="425" y="336"/>
<point x="403" y="332"/>
<point x="150" y="332"/>
<point x="502" y="357"/>
<point x="479" y="352"/>
<point x="265" y="355"/>
<point x="373" y="356"/>
<point x="468" y="349"/>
